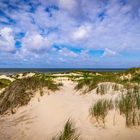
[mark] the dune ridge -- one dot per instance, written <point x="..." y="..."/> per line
<point x="45" y="116"/>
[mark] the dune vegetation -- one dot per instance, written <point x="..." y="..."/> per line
<point x="68" y="133"/>
<point x="4" y="83"/>
<point x="108" y="100"/>
<point x="89" y="81"/>
<point x="129" y="106"/>
<point x="100" y="109"/>
<point x="106" y="87"/>
<point x="20" y="91"/>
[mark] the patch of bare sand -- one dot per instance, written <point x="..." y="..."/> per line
<point x="45" y="116"/>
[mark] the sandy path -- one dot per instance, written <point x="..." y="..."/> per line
<point x="41" y="120"/>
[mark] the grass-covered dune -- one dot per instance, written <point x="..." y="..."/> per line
<point x="128" y="105"/>
<point x="20" y="91"/>
<point x="126" y="82"/>
<point x="89" y="81"/>
<point x="112" y="102"/>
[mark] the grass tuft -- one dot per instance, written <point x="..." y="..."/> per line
<point x="129" y="105"/>
<point x="100" y="109"/>
<point x="68" y="133"/>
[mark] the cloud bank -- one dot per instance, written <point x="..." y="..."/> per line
<point x="69" y="33"/>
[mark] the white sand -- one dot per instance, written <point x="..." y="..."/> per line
<point x="21" y="75"/>
<point x="6" y="77"/>
<point x="45" y="116"/>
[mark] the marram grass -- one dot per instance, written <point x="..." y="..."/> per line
<point x="20" y="92"/>
<point x="68" y="133"/>
<point x="89" y="81"/>
<point x="100" y="109"/>
<point x="129" y="106"/>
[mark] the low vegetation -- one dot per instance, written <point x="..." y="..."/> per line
<point x="4" y="83"/>
<point x="20" y="91"/>
<point x="129" y="105"/>
<point x="90" y="81"/>
<point x="104" y="88"/>
<point x="68" y="133"/>
<point x="100" y="109"/>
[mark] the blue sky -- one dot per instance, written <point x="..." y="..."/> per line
<point x="70" y="33"/>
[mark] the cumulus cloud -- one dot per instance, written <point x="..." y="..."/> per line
<point x="81" y="33"/>
<point x="35" y="42"/>
<point x="7" y="42"/>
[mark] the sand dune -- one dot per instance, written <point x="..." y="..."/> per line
<point x="45" y="116"/>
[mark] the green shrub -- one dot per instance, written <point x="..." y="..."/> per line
<point x="136" y="78"/>
<point x="4" y="83"/>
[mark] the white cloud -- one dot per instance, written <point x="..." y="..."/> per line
<point x="81" y="33"/>
<point x="109" y="52"/>
<point x="7" y="42"/>
<point x="35" y="42"/>
<point x="67" y="53"/>
<point x="67" y="4"/>
<point x="86" y="24"/>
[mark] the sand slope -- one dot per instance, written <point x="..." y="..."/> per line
<point x="45" y="116"/>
